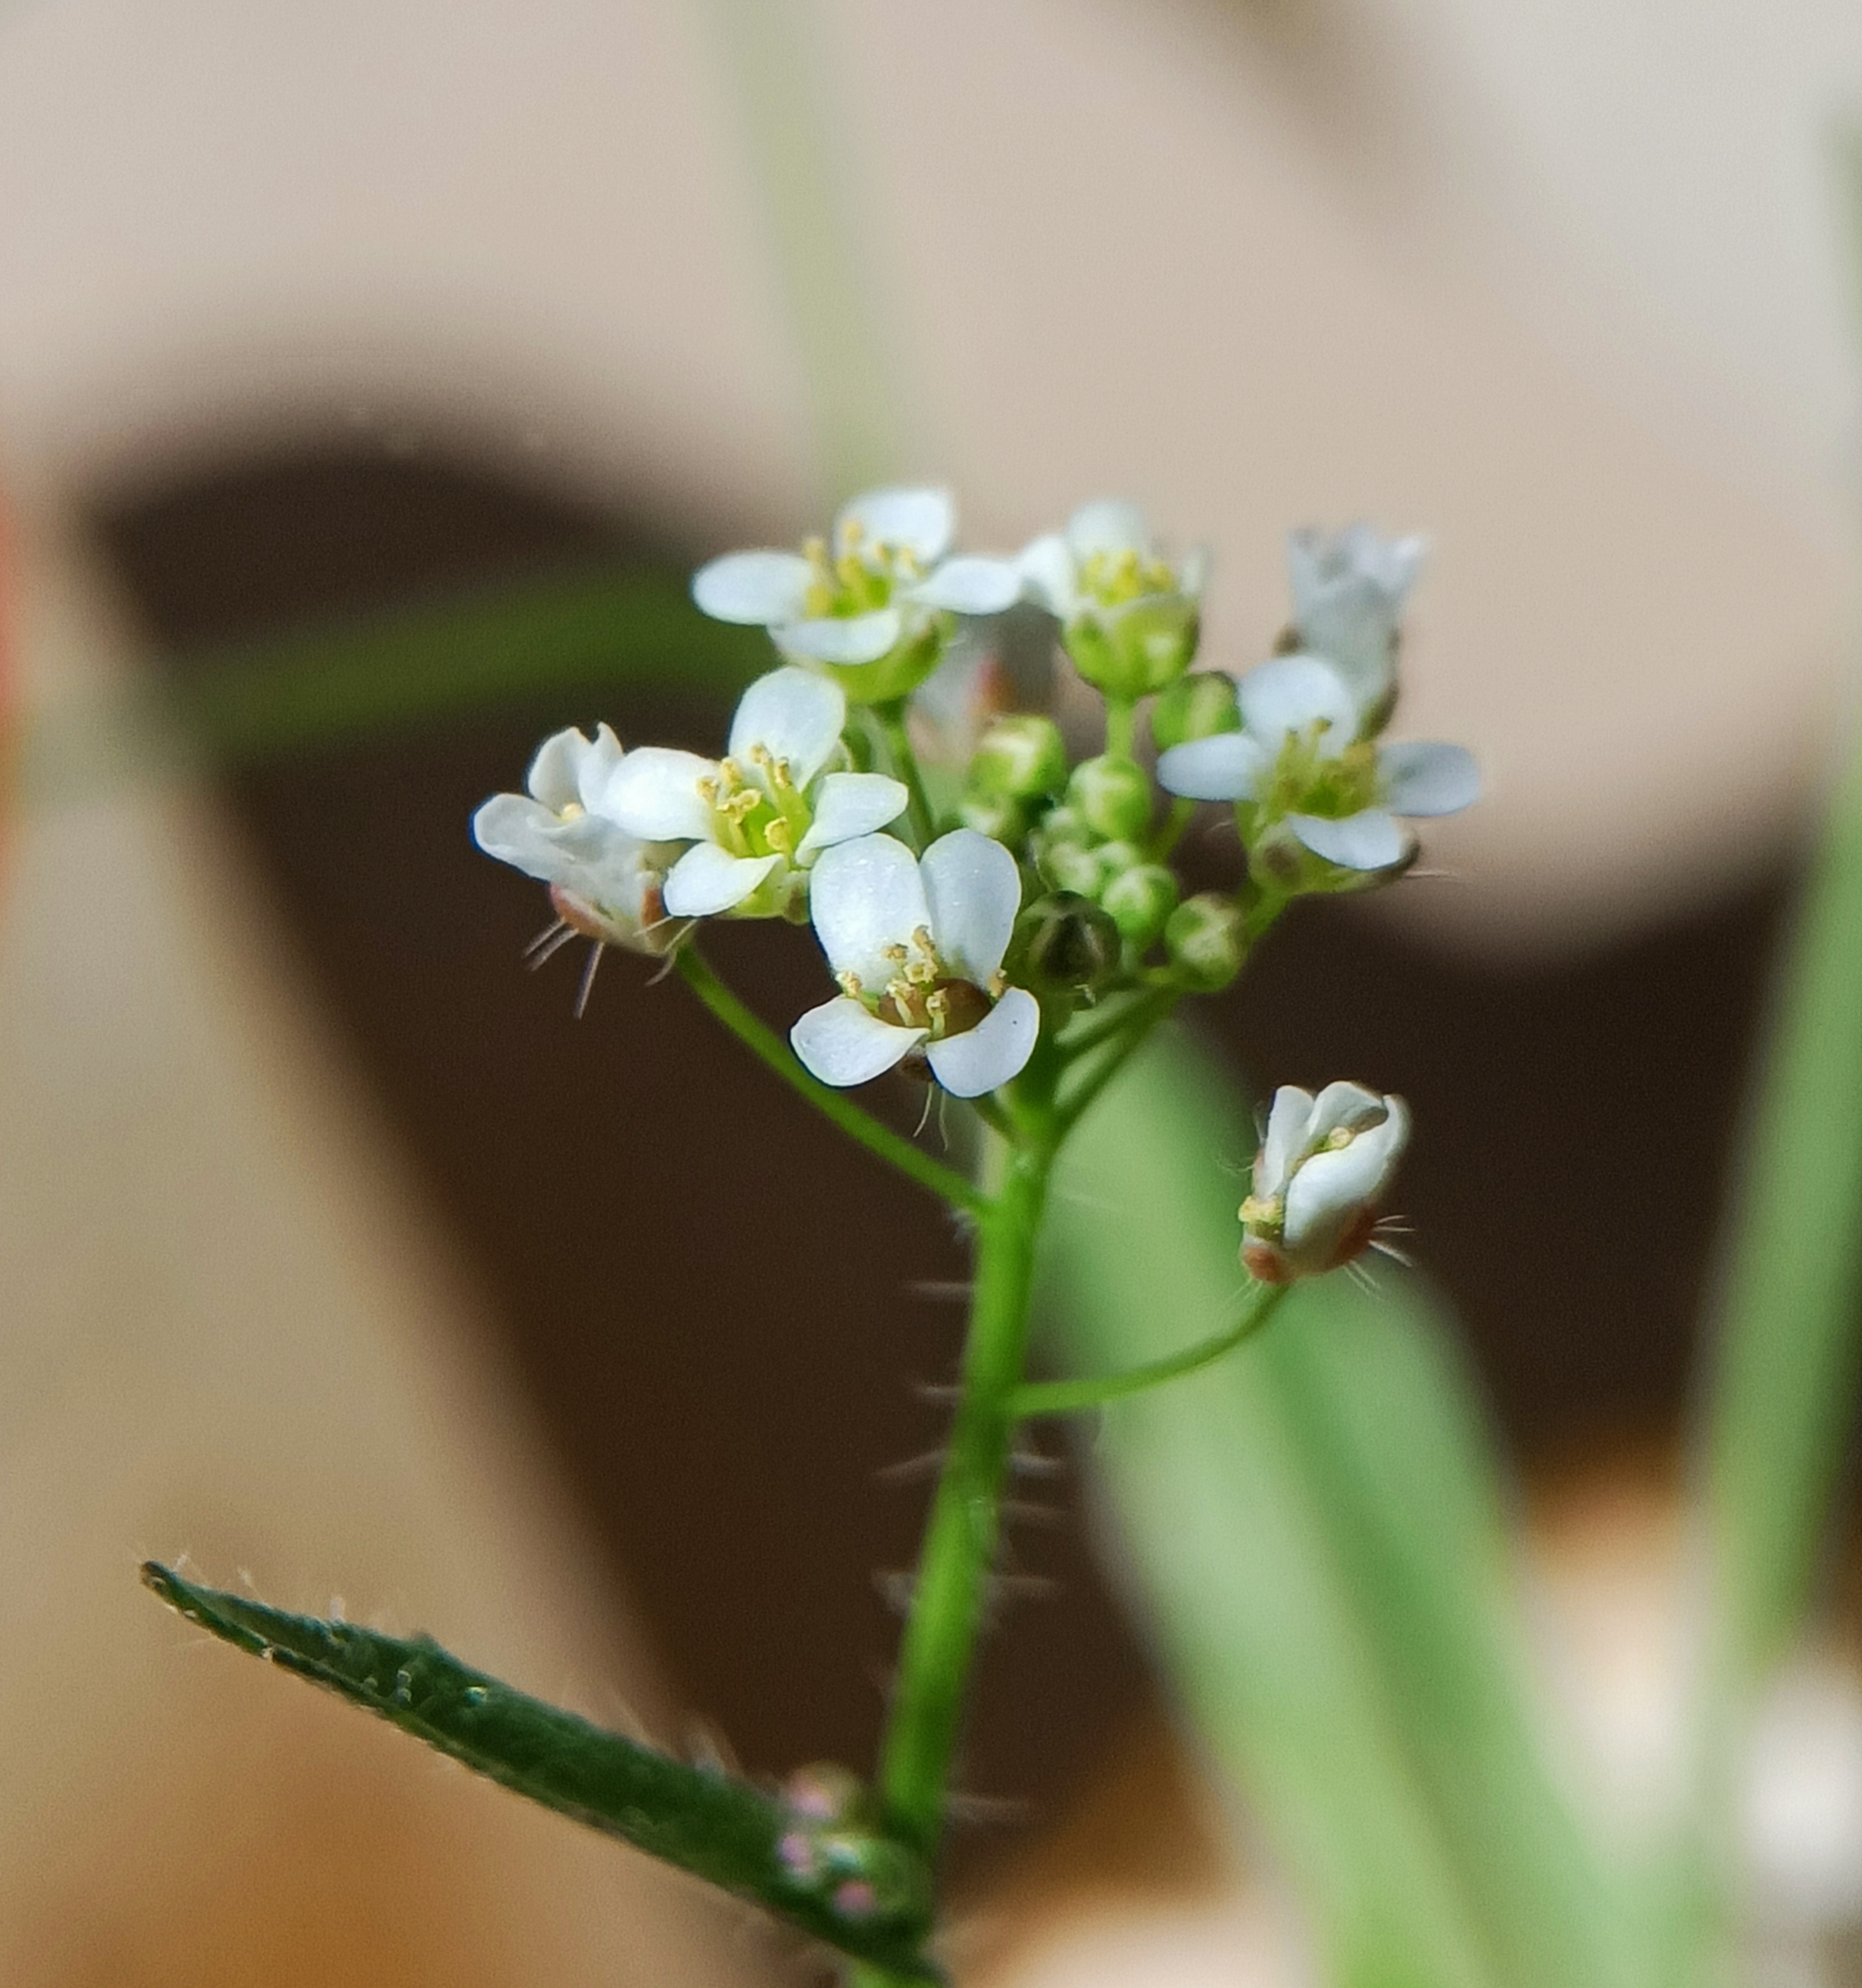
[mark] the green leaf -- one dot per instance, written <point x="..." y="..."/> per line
<point x="723" y="1830"/>
<point x="1316" y="1534"/>
<point x="244" y="705"/>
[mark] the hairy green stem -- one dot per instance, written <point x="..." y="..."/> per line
<point x="891" y="717"/>
<point x="1071" y="1397"/>
<point x="768" y="1046"/>
<point x="951" y="1597"/>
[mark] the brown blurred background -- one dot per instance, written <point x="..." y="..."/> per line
<point x="334" y="1247"/>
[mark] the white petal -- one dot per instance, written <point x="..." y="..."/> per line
<point x="794" y="714"/>
<point x="1109" y="525"/>
<point x="554" y="776"/>
<point x="1291" y="693"/>
<point x="991" y="1052"/>
<point x="864" y="896"/>
<point x="708" y="879"/>
<point x="849" y="639"/>
<point x="1227" y="767"/>
<point x="1332" y="1188"/>
<point x="971" y="585"/>
<point x="1422" y="778"/>
<point x="653" y="794"/>
<point x="919" y="521"/>
<point x="1047" y="568"/>
<point x="518" y="831"/>
<point x="590" y="856"/>
<point x="757" y="588"/>
<point x="1348" y="1107"/>
<point x="1371" y="840"/>
<point x="1287" y="1120"/>
<point x="597" y="766"/>
<point x="851" y="805"/>
<point x="841" y="1043"/>
<point x="974" y="890"/>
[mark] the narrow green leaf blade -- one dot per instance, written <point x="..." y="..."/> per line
<point x="1318" y="1537"/>
<point x="719" y="1829"/>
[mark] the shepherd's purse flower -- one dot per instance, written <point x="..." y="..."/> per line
<point x="917" y="946"/>
<point x="604" y="883"/>
<point x="1324" y="1166"/>
<point x="869" y="603"/>
<point x="755" y="820"/>
<point x="1349" y="588"/>
<point x="1298" y="759"/>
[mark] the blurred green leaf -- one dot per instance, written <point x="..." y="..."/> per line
<point x="244" y="705"/>
<point x="717" y="1828"/>
<point x="1315" y="1532"/>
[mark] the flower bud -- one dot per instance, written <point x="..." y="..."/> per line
<point x="1323" y="1167"/>
<point x="1112" y="795"/>
<point x="1207" y="941"/>
<point x="1073" y="867"/>
<point x="1137" y="647"/>
<point x="1140" y="901"/>
<point x="1064" y="945"/>
<point x="1021" y="756"/>
<point x="1198" y="706"/>
<point x="1000" y="816"/>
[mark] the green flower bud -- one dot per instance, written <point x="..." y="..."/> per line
<point x="1020" y="756"/>
<point x="1206" y="940"/>
<point x="1064" y="945"/>
<point x="1137" y="647"/>
<point x="1140" y="901"/>
<point x="995" y="815"/>
<point x="1112" y="796"/>
<point x="1072" y="867"/>
<point x="1198" y="706"/>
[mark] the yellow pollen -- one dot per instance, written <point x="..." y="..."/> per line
<point x="1260" y="1214"/>
<point x="998" y="984"/>
<point x="896" y="952"/>
<point x="743" y="802"/>
<point x="760" y="756"/>
<point x="848" y="983"/>
<point x="1339" y="1138"/>
<point x="571" y="811"/>
<point x="853" y="532"/>
<point x="732" y="772"/>
<point x="937" y="1003"/>
<point x="921" y="973"/>
<point x="708" y="791"/>
<point x="922" y="940"/>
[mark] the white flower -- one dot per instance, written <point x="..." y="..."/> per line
<point x="1349" y="588"/>
<point x="877" y="589"/>
<point x="1324" y="1166"/>
<point x="603" y="882"/>
<point x="1299" y="759"/>
<point x="1128" y="614"/>
<point x="756" y="819"/>
<point x="917" y="946"/>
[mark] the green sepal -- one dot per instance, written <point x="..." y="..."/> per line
<point x="724" y="1830"/>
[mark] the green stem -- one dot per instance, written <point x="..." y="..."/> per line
<point x="951" y="1595"/>
<point x="1070" y="1397"/>
<point x="1170" y="831"/>
<point x="891" y="717"/>
<point x="1122" y="728"/>
<point x="769" y="1047"/>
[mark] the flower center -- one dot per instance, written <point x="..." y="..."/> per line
<point x="1113" y="578"/>
<point x="922" y="993"/>
<point x="1313" y="776"/>
<point x="757" y="809"/>
<point x="861" y="579"/>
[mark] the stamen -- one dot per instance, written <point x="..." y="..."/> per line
<point x="708" y="791"/>
<point x="780" y="837"/>
<point x="849" y="983"/>
<point x="896" y="952"/>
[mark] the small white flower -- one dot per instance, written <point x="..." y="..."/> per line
<point x="874" y="590"/>
<point x="604" y="883"/>
<point x="1324" y="1166"/>
<point x="917" y="946"/>
<point x="1299" y="759"/>
<point x="1349" y="588"/>
<point x="1128" y="614"/>
<point x="756" y="819"/>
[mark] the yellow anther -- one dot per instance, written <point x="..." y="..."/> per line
<point x="896" y="952"/>
<point x="708" y="791"/>
<point x="779" y="776"/>
<point x="760" y="756"/>
<point x="922" y="939"/>
<point x="1259" y="1213"/>
<point x="780" y="837"/>
<point x="1339" y="1138"/>
<point x="998" y="984"/>
<point x="571" y="811"/>
<point x="853" y="532"/>
<point x="732" y="773"/>
<point x="921" y="973"/>
<point x="937" y="1003"/>
<point x="745" y="800"/>
<point x="849" y="983"/>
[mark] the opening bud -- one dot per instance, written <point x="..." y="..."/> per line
<point x="1021" y="756"/>
<point x="1207" y="941"/>
<point x="1322" y="1169"/>
<point x="1198" y="706"/>
<point x="1112" y="795"/>
<point x="1140" y="901"/>
<point x="1137" y="646"/>
<point x="1000" y="816"/>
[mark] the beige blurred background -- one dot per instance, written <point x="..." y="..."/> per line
<point x="1566" y="286"/>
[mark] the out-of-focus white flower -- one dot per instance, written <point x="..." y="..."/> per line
<point x="917" y="946"/>
<point x="756" y="819"/>
<point x="604" y="883"/>
<point x="1129" y="615"/>
<point x="1321" y="1170"/>
<point x="1298" y="759"/>
<point x="1349" y="588"/>
<point x="873" y="596"/>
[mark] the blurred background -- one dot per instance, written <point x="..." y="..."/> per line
<point x="336" y="1253"/>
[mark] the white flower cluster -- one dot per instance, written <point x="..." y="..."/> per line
<point x="968" y="922"/>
